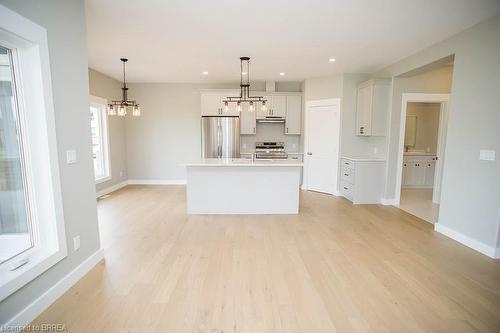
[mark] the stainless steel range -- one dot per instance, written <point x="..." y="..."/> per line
<point x="270" y="151"/>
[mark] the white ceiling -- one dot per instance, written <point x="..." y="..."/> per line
<point x="176" y="40"/>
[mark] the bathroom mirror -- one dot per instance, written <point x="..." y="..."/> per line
<point x="410" y="131"/>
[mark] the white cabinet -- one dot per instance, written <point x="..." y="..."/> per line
<point x="293" y="115"/>
<point x="213" y="105"/>
<point x="372" y="107"/>
<point x="362" y="179"/>
<point x="275" y="106"/>
<point x="418" y="171"/>
<point x="247" y="121"/>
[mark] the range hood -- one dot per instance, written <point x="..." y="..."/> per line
<point x="271" y="119"/>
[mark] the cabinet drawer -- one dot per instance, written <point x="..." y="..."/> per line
<point x="347" y="163"/>
<point x="347" y="190"/>
<point x="347" y="174"/>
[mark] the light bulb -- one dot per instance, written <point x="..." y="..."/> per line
<point x="111" y="110"/>
<point x="239" y="107"/>
<point x="226" y="108"/>
<point x="250" y="108"/>
<point x="264" y="106"/>
<point x="122" y="110"/>
<point x="136" y="112"/>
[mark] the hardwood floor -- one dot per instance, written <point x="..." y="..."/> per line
<point x="334" y="267"/>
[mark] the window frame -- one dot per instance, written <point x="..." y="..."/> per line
<point x="104" y="134"/>
<point x="29" y="46"/>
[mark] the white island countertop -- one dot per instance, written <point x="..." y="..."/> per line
<point x="243" y="162"/>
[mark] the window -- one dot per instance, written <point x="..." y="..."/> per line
<point x="32" y="234"/>
<point x="100" y="148"/>
<point x="15" y="228"/>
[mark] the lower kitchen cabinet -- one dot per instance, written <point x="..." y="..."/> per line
<point x="362" y="179"/>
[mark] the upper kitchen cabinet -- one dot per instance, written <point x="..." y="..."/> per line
<point x="213" y="105"/>
<point x="293" y="115"/>
<point x="275" y="106"/>
<point x="247" y="120"/>
<point x="372" y="107"/>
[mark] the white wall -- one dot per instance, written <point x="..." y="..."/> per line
<point x="427" y="126"/>
<point x="110" y="89"/>
<point x="470" y="197"/>
<point x="68" y="62"/>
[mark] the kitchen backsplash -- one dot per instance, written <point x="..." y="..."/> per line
<point x="269" y="132"/>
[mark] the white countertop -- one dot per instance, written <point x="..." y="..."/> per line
<point x="244" y="162"/>
<point x="363" y="158"/>
<point x="417" y="153"/>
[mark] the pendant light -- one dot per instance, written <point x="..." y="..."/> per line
<point x="120" y="107"/>
<point x="245" y="89"/>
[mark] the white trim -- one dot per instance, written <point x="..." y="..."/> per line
<point x="467" y="241"/>
<point x="157" y="181"/>
<point x="316" y="103"/>
<point x="36" y="107"/>
<point x="104" y="133"/>
<point x="417" y="97"/>
<point x="111" y="188"/>
<point x="29" y="313"/>
<point x="388" y="202"/>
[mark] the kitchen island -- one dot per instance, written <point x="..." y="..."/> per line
<point x="243" y="186"/>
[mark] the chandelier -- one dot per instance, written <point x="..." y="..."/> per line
<point x="245" y="89"/>
<point x="120" y="107"/>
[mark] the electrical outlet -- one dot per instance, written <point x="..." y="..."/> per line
<point x="76" y="243"/>
<point x="244" y="146"/>
<point x="121" y="173"/>
<point x="71" y="156"/>
<point x="294" y="146"/>
<point x="375" y="150"/>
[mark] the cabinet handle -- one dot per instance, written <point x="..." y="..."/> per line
<point x="254" y="129"/>
<point x="346" y="174"/>
<point x="309" y="153"/>
<point x="345" y="188"/>
<point x="287" y="129"/>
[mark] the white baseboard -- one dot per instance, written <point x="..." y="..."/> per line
<point x="28" y="314"/>
<point x="157" y="181"/>
<point x="467" y="241"/>
<point x="388" y="202"/>
<point x="110" y="189"/>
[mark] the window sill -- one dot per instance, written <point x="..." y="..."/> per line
<point x="103" y="179"/>
<point x="39" y="262"/>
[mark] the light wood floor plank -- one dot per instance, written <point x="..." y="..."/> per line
<point x="334" y="267"/>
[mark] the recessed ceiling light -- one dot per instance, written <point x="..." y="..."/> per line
<point x="282" y="73"/>
<point x="205" y="73"/>
<point x="331" y="60"/>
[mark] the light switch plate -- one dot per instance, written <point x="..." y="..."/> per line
<point x="487" y="155"/>
<point x="71" y="156"/>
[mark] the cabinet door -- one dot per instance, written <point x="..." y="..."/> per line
<point x="429" y="173"/>
<point x="247" y="121"/>
<point x="363" y="111"/>
<point x="293" y="115"/>
<point x="279" y="106"/>
<point x="211" y="105"/>
<point x="420" y="167"/>
<point x="269" y="107"/>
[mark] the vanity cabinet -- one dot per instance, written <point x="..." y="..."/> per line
<point x="372" y="107"/>
<point x="418" y="171"/>
<point x="362" y="179"/>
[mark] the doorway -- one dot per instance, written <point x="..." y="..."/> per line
<point x="421" y="154"/>
<point x="322" y="144"/>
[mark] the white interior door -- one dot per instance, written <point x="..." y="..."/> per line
<point x="441" y="147"/>
<point x="322" y="146"/>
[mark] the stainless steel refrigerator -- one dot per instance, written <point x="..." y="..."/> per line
<point x="220" y="137"/>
